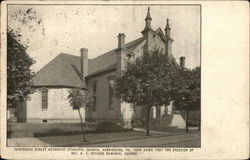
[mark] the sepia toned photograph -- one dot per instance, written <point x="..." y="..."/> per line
<point x="103" y="75"/>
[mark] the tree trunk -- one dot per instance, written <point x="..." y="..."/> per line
<point x="9" y="132"/>
<point x="133" y="115"/>
<point x="187" y="115"/>
<point x="83" y="136"/>
<point x="147" y="120"/>
<point x="199" y="125"/>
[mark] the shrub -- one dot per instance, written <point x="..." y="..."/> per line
<point x="56" y="132"/>
<point x="138" y="123"/>
<point x="104" y="127"/>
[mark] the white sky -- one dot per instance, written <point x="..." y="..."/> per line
<point x="69" y="28"/>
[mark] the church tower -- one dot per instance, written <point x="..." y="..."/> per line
<point x="169" y="40"/>
<point x="148" y="32"/>
<point x="148" y="20"/>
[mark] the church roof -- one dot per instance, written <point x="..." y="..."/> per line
<point x="160" y="33"/>
<point x="109" y="58"/>
<point x="60" y="72"/>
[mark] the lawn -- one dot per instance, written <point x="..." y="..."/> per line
<point x="75" y="140"/>
<point x="16" y="130"/>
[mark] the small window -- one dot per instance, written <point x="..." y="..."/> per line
<point x="111" y="92"/>
<point x="45" y="99"/>
<point x="94" y="95"/>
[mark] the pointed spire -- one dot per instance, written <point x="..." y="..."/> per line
<point x="148" y="15"/>
<point x="148" y="20"/>
<point x="167" y="25"/>
<point x="167" y="29"/>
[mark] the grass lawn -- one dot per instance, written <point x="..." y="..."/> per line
<point x="46" y="129"/>
<point x="115" y="139"/>
<point x="177" y="130"/>
<point x="172" y="140"/>
<point x="75" y="140"/>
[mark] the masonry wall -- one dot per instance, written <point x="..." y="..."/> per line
<point x="59" y="110"/>
<point x="103" y="111"/>
<point x="155" y="42"/>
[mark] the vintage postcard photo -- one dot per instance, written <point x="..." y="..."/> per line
<point x="80" y="78"/>
<point x="103" y="79"/>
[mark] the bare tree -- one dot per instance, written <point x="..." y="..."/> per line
<point x="78" y="99"/>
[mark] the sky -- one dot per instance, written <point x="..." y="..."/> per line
<point x="68" y="28"/>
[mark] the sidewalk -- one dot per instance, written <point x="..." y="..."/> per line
<point x="76" y="140"/>
<point x="26" y="142"/>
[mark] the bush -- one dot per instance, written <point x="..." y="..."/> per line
<point x="104" y="127"/>
<point x="138" y="123"/>
<point x="56" y="132"/>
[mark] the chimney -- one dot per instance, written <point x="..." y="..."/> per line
<point x="121" y="40"/>
<point x="182" y="62"/>
<point x="84" y="63"/>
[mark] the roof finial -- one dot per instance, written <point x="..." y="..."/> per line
<point x="167" y="29"/>
<point x="167" y="25"/>
<point x="148" y="14"/>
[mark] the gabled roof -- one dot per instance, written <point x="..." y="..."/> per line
<point x="59" y="72"/>
<point x="161" y="34"/>
<point x="108" y="60"/>
<point x="104" y="70"/>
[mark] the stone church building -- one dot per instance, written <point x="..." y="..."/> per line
<point x="49" y="104"/>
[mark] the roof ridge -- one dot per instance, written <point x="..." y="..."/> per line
<point x="68" y="54"/>
<point x="49" y="62"/>
<point x="129" y="43"/>
<point x="72" y="55"/>
<point x="158" y="29"/>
